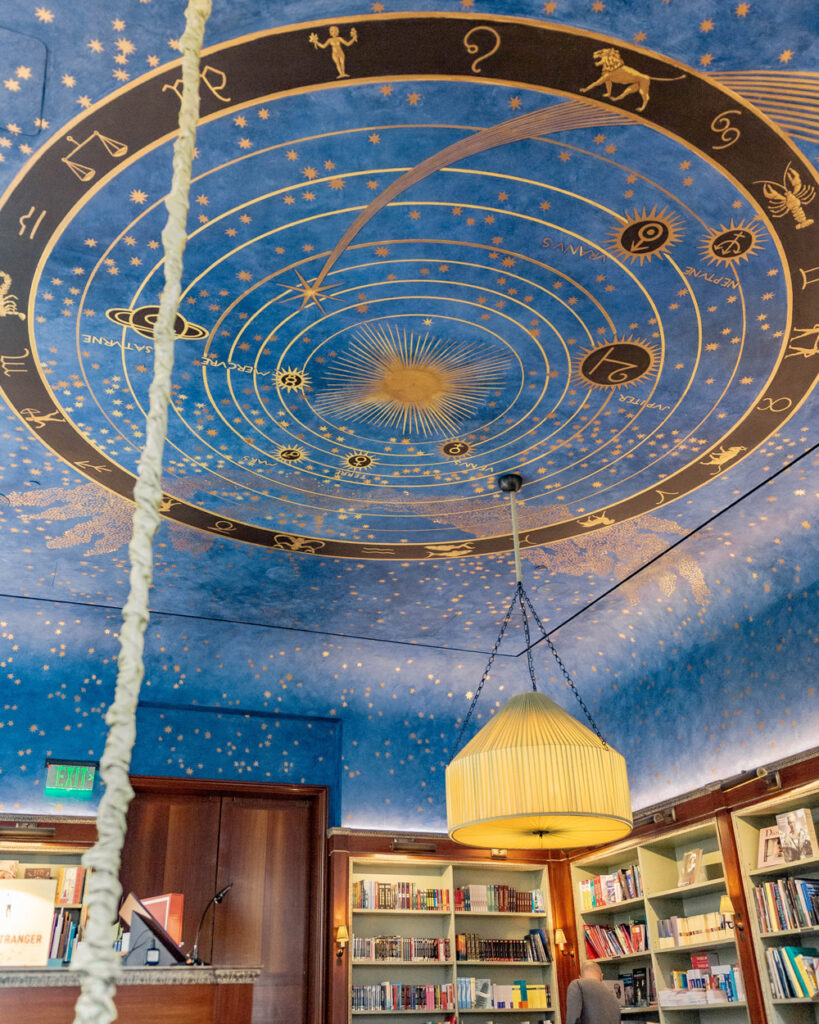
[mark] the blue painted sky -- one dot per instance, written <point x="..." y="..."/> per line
<point x="506" y="266"/>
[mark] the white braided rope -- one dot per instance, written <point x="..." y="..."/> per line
<point x="96" y="960"/>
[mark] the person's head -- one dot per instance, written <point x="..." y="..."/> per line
<point x="591" y="971"/>
<point x="334" y="30"/>
<point x="793" y="823"/>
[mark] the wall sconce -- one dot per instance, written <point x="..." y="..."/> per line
<point x="560" y="942"/>
<point x="342" y="938"/>
<point x="726" y="908"/>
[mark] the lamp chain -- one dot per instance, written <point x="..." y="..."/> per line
<point x="485" y="675"/>
<point x="562" y="667"/>
<point x="521" y="594"/>
<point x="521" y="598"/>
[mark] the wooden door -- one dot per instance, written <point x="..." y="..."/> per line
<point x="272" y="852"/>
<point x="171" y="846"/>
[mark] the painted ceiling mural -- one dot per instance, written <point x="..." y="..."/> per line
<point x="426" y="246"/>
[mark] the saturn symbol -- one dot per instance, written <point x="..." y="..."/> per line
<point x="143" y="321"/>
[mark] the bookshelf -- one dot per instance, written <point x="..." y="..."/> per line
<point x="658" y="861"/>
<point x="747" y="824"/>
<point x="38" y="862"/>
<point x="443" y="924"/>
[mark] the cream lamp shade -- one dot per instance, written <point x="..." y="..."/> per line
<point x="726" y="906"/>
<point x="535" y="778"/>
<point x="560" y="938"/>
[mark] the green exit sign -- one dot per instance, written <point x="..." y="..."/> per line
<point x="70" y="778"/>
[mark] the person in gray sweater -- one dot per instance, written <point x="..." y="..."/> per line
<point x="588" y="1001"/>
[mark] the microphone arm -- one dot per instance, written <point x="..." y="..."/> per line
<point x="216" y="898"/>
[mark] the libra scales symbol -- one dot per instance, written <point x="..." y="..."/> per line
<point x="115" y="149"/>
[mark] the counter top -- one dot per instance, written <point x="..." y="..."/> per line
<point x="48" y="977"/>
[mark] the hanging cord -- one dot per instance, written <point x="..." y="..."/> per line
<point x="485" y="675"/>
<point x="96" y="960"/>
<point x="521" y="596"/>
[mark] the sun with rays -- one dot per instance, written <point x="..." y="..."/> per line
<point x="411" y="382"/>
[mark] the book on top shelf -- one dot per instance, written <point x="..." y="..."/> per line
<point x="498" y="899"/>
<point x="372" y="895"/>
<point x="797" y="835"/>
<point x="770" y="847"/>
<point x="691" y="868"/>
<point x="608" y="890"/>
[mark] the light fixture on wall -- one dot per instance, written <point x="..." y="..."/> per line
<point x="534" y="777"/>
<point x="561" y="943"/>
<point x="342" y="938"/>
<point x="726" y="908"/>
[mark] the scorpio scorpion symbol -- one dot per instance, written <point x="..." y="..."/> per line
<point x="789" y="197"/>
<point x="8" y="303"/>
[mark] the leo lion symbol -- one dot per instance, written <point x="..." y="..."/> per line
<point x="617" y="72"/>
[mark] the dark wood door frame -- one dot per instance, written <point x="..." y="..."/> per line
<point x="318" y="797"/>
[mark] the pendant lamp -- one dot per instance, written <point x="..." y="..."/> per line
<point x="534" y="777"/>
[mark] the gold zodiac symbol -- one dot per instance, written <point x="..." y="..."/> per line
<point x="729" y="133"/>
<point x="804" y="332"/>
<point x="115" y="149"/>
<point x="617" y="72"/>
<point x="775" y="405"/>
<point x="8" y="364"/>
<point x="336" y="42"/>
<point x="287" y="542"/>
<point x="474" y="48"/>
<point x="722" y="456"/>
<point x="377" y="551"/>
<point x="90" y="466"/>
<point x="223" y="526"/>
<point x="789" y="197"/>
<point x="599" y="520"/>
<point x="359" y="460"/>
<point x="665" y="495"/>
<point x="166" y="503"/>
<point x="453" y="549"/>
<point x="215" y="89"/>
<point x="38" y="419"/>
<point x="8" y="302"/>
<point x="809" y="280"/>
<point x="26" y="217"/>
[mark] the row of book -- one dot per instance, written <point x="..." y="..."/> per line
<point x="533" y="947"/>
<point x="794" y="971"/>
<point x="397" y="996"/>
<point x="499" y="899"/>
<point x="481" y="994"/>
<point x="400" y="948"/>
<point x="608" y="890"/>
<point x="690" y="931"/>
<point x="65" y="932"/>
<point x="634" y="987"/>
<point x="605" y="940"/>
<point x="70" y="878"/>
<point x="784" y="904"/>
<point x="371" y="895"/>
<point x="721" y="985"/>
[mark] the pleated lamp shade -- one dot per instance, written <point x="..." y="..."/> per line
<point x="535" y="778"/>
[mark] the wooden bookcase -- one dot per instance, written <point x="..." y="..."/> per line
<point x="658" y="860"/>
<point x="446" y="924"/>
<point x="747" y="825"/>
